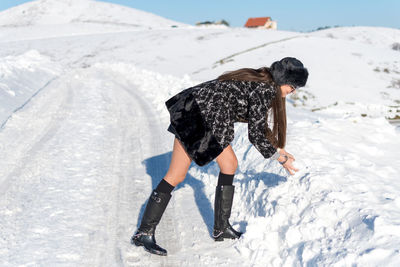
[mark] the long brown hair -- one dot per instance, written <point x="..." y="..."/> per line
<point x="277" y="136"/>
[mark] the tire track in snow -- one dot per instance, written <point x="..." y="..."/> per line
<point x="125" y="158"/>
<point x="64" y="98"/>
<point x="94" y="107"/>
<point x="151" y="145"/>
<point x="27" y="101"/>
<point x="58" y="124"/>
<point x="230" y="57"/>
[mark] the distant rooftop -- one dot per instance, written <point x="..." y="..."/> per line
<point x="257" y="22"/>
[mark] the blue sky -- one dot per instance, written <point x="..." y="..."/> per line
<point x="294" y="15"/>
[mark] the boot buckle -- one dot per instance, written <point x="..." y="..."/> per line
<point x="155" y="197"/>
<point x="219" y="233"/>
<point x="140" y="233"/>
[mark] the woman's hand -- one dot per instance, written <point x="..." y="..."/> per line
<point x="286" y="160"/>
<point x="284" y="152"/>
<point x="289" y="166"/>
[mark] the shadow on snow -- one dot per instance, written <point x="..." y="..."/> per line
<point x="157" y="167"/>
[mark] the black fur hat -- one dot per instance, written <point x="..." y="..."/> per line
<point x="289" y="70"/>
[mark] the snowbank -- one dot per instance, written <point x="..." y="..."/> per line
<point x="22" y="77"/>
<point x="330" y="213"/>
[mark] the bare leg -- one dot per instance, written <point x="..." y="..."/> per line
<point x="227" y="161"/>
<point x="179" y="165"/>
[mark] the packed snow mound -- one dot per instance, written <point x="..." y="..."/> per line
<point x="22" y="77"/>
<point x="53" y="12"/>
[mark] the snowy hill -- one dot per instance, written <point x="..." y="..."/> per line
<point x="83" y="142"/>
<point x="53" y="18"/>
<point x="377" y="36"/>
<point x="50" y="12"/>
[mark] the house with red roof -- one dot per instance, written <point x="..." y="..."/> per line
<point x="261" y="22"/>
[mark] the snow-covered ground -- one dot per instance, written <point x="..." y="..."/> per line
<point x="83" y="141"/>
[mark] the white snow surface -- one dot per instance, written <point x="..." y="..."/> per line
<point x="83" y="141"/>
<point x="51" y="18"/>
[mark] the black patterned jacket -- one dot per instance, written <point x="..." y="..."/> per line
<point x="203" y="116"/>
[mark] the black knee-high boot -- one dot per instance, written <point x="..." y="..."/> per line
<point x="222" y="212"/>
<point x="144" y="236"/>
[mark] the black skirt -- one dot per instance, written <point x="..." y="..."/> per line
<point x="189" y="127"/>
